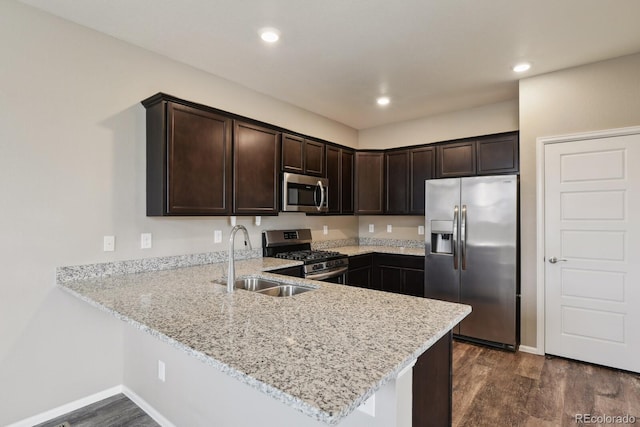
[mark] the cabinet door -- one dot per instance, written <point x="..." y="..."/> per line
<point x="396" y="182"/>
<point x="360" y="269"/>
<point x="333" y="175"/>
<point x="422" y="163"/>
<point x="197" y="166"/>
<point x="313" y="158"/>
<point x="369" y="193"/>
<point x="390" y="279"/>
<point x="402" y="274"/>
<point x="457" y="159"/>
<point x="413" y="282"/>
<point x="292" y="154"/>
<point x="497" y="155"/>
<point x="347" y="159"/>
<point x="255" y="172"/>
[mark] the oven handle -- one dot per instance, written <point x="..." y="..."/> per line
<point x="333" y="273"/>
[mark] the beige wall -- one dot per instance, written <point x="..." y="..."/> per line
<point x="487" y="119"/>
<point x="597" y="96"/>
<point x="72" y="167"/>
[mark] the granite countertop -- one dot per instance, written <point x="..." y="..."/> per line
<point x="362" y="250"/>
<point x="339" y="344"/>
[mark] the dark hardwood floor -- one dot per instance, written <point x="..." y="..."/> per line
<point x="498" y="388"/>
<point x="114" y="411"/>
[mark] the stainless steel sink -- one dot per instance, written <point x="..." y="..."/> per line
<point x="255" y="284"/>
<point x="270" y="287"/>
<point x="285" y="290"/>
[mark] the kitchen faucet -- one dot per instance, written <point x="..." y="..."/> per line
<point x="231" y="272"/>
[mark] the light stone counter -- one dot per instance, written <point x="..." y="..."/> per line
<point x="362" y="250"/>
<point x="322" y="352"/>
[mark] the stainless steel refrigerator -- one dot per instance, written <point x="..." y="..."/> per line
<point x="471" y="253"/>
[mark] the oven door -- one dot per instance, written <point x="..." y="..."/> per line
<point x="337" y="275"/>
<point x="303" y="193"/>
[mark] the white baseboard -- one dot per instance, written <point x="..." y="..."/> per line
<point x="150" y="410"/>
<point x="532" y="350"/>
<point x="69" y="407"/>
<point x="85" y="401"/>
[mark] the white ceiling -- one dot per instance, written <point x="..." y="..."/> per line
<point x="336" y="56"/>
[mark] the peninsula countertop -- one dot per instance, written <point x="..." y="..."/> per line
<point x="339" y="343"/>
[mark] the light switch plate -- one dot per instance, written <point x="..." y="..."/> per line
<point x="162" y="371"/>
<point x="325" y="229"/>
<point x="421" y="230"/>
<point x="145" y="241"/>
<point x="109" y="243"/>
<point x="217" y="236"/>
<point x="389" y="228"/>
<point x="371" y="228"/>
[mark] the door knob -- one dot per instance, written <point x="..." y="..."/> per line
<point x="553" y="260"/>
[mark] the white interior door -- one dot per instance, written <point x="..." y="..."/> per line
<point x="592" y="250"/>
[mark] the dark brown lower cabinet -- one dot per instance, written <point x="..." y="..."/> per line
<point x="432" y="385"/>
<point x="402" y="274"/>
<point x="360" y="269"/>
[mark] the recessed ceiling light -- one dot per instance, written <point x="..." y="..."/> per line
<point x="270" y="35"/>
<point x="383" y="100"/>
<point x="521" y="68"/>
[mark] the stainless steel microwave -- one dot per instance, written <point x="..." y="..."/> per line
<point x="304" y="193"/>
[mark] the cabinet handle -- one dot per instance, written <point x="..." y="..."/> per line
<point x="463" y="237"/>
<point x="455" y="238"/>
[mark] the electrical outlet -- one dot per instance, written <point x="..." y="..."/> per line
<point x="258" y="220"/>
<point x="217" y="236"/>
<point x="109" y="243"/>
<point x="389" y="228"/>
<point x="145" y="241"/>
<point x="421" y="230"/>
<point x="325" y="229"/>
<point x="161" y="371"/>
<point x="371" y="228"/>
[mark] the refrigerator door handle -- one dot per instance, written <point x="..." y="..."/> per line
<point x="455" y="238"/>
<point x="463" y="237"/>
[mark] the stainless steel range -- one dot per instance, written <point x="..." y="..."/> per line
<point x="327" y="266"/>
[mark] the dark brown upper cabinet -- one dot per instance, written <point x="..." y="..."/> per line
<point x="188" y="160"/>
<point x="422" y="166"/>
<point x="457" y="159"/>
<point x="396" y="165"/>
<point x="303" y="156"/>
<point x="256" y="160"/>
<point x="339" y="165"/>
<point x="486" y="155"/>
<point x="498" y="154"/>
<point x="347" y="163"/>
<point x="405" y="173"/>
<point x="369" y="183"/>
<point x="335" y="179"/>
